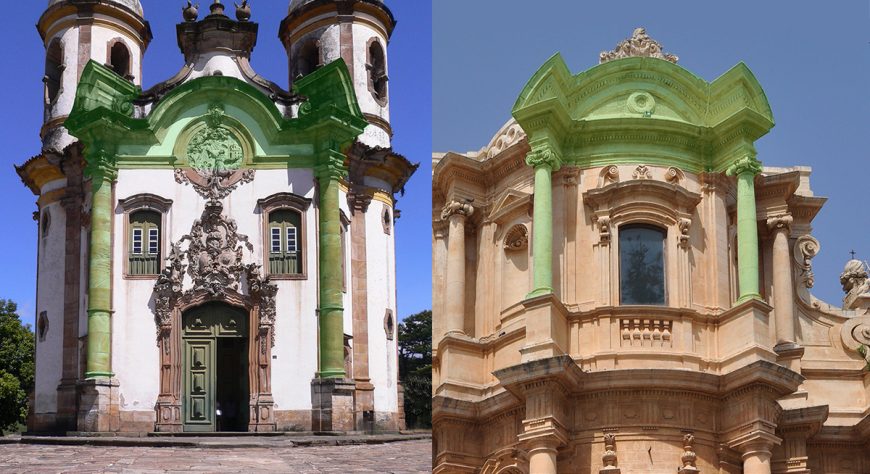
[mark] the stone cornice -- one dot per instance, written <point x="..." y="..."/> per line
<point x="87" y="9"/>
<point x="37" y="172"/>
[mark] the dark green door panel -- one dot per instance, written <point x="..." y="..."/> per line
<point x="199" y="385"/>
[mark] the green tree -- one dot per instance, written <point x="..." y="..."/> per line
<point x="415" y="368"/>
<point x="16" y="366"/>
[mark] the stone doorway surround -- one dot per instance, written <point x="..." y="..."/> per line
<point x="213" y="260"/>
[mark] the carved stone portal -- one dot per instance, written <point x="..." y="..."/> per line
<point x="211" y="257"/>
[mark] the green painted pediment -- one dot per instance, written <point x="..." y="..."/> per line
<point x="216" y="116"/>
<point x="607" y="113"/>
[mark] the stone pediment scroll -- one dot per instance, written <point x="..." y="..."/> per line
<point x="640" y="44"/>
<point x="211" y="256"/>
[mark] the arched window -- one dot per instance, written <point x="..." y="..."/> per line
<point x="143" y="251"/>
<point x="119" y="59"/>
<point x="641" y="265"/>
<point x="307" y="58"/>
<point x="53" y="71"/>
<point x="285" y="256"/>
<point x="377" y="67"/>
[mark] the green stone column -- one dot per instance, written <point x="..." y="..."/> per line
<point x="544" y="161"/>
<point x="329" y="174"/>
<point x="747" y="227"/>
<point x="101" y="169"/>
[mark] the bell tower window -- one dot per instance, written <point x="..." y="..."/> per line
<point x="53" y="71"/>
<point x="119" y="59"/>
<point x="377" y="69"/>
<point x="641" y="265"/>
<point x="307" y="58"/>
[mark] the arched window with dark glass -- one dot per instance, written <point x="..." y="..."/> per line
<point x="53" y="71"/>
<point x="143" y="250"/>
<point x="119" y="59"/>
<point x="641" y="265"/>
<point x="285" y="256"/>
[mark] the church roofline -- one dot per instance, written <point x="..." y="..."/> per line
<point x="298" y="15"/>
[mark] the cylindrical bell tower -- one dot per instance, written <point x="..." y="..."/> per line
<point x="317" y="32"/>
<point x="111" y="32"/>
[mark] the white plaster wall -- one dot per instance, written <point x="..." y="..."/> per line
<point x="135" y="356"/>
<point x="381" y="295"/>
<point x="50" y="291"/>
<point x="362" y="33"/>
<point x="209" y="64"/>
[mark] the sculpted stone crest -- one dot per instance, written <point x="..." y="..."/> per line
<point x="213" y="261"/>
<point x="640" y="44"/>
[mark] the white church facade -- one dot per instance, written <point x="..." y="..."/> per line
<point x="216" y="253"/>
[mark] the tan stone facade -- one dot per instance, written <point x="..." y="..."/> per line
<point x="576" y="382"/>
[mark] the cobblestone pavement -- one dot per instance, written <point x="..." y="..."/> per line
<point x="401" y="457"/>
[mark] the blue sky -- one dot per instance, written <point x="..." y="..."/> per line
<point x="21" y="94"/>
<point x="811" y="58"/>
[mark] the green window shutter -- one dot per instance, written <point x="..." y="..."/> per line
<point x="144" y="249"/>
<point x="285" y="256"/>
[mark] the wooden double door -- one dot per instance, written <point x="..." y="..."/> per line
<point x="215" y="389"/>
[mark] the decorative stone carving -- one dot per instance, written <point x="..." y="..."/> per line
<point x="747" y="164"/>
<point x="689" y="457"/>
<point x="213" y="261"/>
<point x="389" y="325"/>
<point x="610" y="174"/>
<point x="641" y="172"/>
<point x="637" y="332"/>
<point x="780" y="222"/>
<point x="456" y="207"/>
<point x="641" y="103"/>
<point x="543" y="156"/>
<point x="215" y="156"/>
<point x="640" y="44"/>
<point x="517" y="238"/>
<point x="854" y="281"/>
<point x="570" y="176"/>
<point x="674" y="175"/>
<point x="510" y="134"/>
<point x="684" y="225"/>
<point x="243" y="11"/>
<point x="805" y="248"/>
<point x="603" y="230"/>
<point x="609" y="458"/>
<point x="855" y="334"/>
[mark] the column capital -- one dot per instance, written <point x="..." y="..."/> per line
<point x="544" y="156"/>
<point x="456" y="208"/>
<point x="782" y="221"/>
<point x="100" y="164"/>
<point x="747" y="164"/>
<point x="359" y="199"/>
<point x="330" y="166"/>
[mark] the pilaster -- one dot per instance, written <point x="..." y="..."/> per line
<point x="331" y="311"/>
<point x="454" y="307"/>
<point x="544" y="159"/>
<point x="332" y="404"/>
<point x="364" y="398"/>
<point x="746" y="169"/>
<point x="102" y="171"/>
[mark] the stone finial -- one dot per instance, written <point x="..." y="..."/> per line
<point x="609" y="457"/>
<point x="243" y="11"/>
<point x="640" y="44"/>
<point x="854" y="281"/>
<point x="217" y="8"/>
<point x="190" y="12"/>
<point x="689" y="457"/>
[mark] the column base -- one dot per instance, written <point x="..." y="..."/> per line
<point x="99" y="406"/>
<point x="539" y="292"/>
<point x="750" y="296"/>
<point x="332" y="404"/>
<point x="262" y="414"/>
<point x="67" y="401"/>
<point x="689" y="470"/>
<point x="364" y="406"/>
<point x="168" y="415"/>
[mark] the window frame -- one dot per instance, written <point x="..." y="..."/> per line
<point x="109" y="64"/>
<point x="664" y="233"/>
<point x="151" y="203"/>
<point x="285" y="202"/>
<point x="382" y="98"/>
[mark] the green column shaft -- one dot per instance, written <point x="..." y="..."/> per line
<point x="747" y="237"/>
<point x="99" y="362"/>
<point x="542" y="233"/>
<point x="331" y="309"/>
